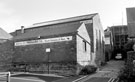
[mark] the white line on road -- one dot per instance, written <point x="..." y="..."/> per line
<point x="113" y="80"/>
<point x="79" y="78"/>
<point x="110" y="80"/>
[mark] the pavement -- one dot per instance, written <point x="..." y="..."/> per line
<point x="108" y="73"/>
<point x="112" y="68"/>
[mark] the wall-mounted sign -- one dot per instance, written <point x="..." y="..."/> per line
<point x="107" y="40"/>
<point x="40" y="41"/>
<point x="48" y="50"/>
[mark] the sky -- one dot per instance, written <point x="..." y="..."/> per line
<point x="17" y="13"/>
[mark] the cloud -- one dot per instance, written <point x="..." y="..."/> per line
<point x="9" y="20"/>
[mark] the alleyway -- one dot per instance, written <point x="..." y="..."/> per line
<point x="110" y="70"/>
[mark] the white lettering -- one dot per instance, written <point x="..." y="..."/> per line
<point x="40" y="41"/>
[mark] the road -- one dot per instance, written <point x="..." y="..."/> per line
<point x="44" y="78"/>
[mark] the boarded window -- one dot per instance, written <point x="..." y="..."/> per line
<point x="85" y="45"/>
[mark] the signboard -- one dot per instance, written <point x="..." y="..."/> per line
<point x="41" y="41"/>
<point x="107" y="40"/>
<point x="48" y="50"/>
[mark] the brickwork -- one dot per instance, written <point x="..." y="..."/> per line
<point x="60" y="51"/>
<point x="65" y="51"/>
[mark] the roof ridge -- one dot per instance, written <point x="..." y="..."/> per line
<point x="64" y="20"/>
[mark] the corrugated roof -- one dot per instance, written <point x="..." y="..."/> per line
<point x="49" y="30"/>
<point x="4" y="34"/>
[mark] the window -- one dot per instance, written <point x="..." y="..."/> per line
<point x="84" y="45"/>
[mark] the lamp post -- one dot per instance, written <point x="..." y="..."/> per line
<point x="48" y="50"/>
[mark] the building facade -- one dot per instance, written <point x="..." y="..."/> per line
<point x="120" y="38"/>
<point x="77" y="40"/>
<point x="108" y="44"/>
<point x="131" y="22"/>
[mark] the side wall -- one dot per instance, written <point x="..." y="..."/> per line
<point x="64" y="51"/>
<point x="98" y="34"/>
<point x="83" y="50"/>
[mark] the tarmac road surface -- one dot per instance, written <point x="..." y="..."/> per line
<point x="33" y="78"/>
<point x="43" y="78"/>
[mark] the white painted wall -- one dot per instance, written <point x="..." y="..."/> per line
<point x="97" y="26"/>
<point x="83" y="57"/>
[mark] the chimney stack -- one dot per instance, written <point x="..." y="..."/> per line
<point x="22" y="29"/>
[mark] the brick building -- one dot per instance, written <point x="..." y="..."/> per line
<point x="77" y="39"/>
<point x="120" y="38"/>
<point x="6" y="48"/>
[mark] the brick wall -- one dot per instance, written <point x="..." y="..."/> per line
<point x="60" y="51"/>
<point x="62" y="56"/>
<point x="6" y="54"/>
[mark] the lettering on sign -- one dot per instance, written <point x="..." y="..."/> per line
<point x="40" y="41"/>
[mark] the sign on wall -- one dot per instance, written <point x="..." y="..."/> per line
<point x="40" y="41"/>
<point x="107" y="40"/>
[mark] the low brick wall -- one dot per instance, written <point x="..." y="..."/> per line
<point x="62" y="68"/>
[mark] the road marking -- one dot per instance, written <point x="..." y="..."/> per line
<point x="79" y="78"/>
<point x="26" y="79"/>
<point x="110" y="80"/>
<point x="113" y="80"/>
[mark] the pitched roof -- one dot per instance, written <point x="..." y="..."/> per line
<point x="71" y="19"/>
<point x="50" y="30"/>
<point x="4" y="34"/>
<point x="54" y="27"/>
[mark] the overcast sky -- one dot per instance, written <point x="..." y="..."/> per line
<point x="15" y="13"/>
